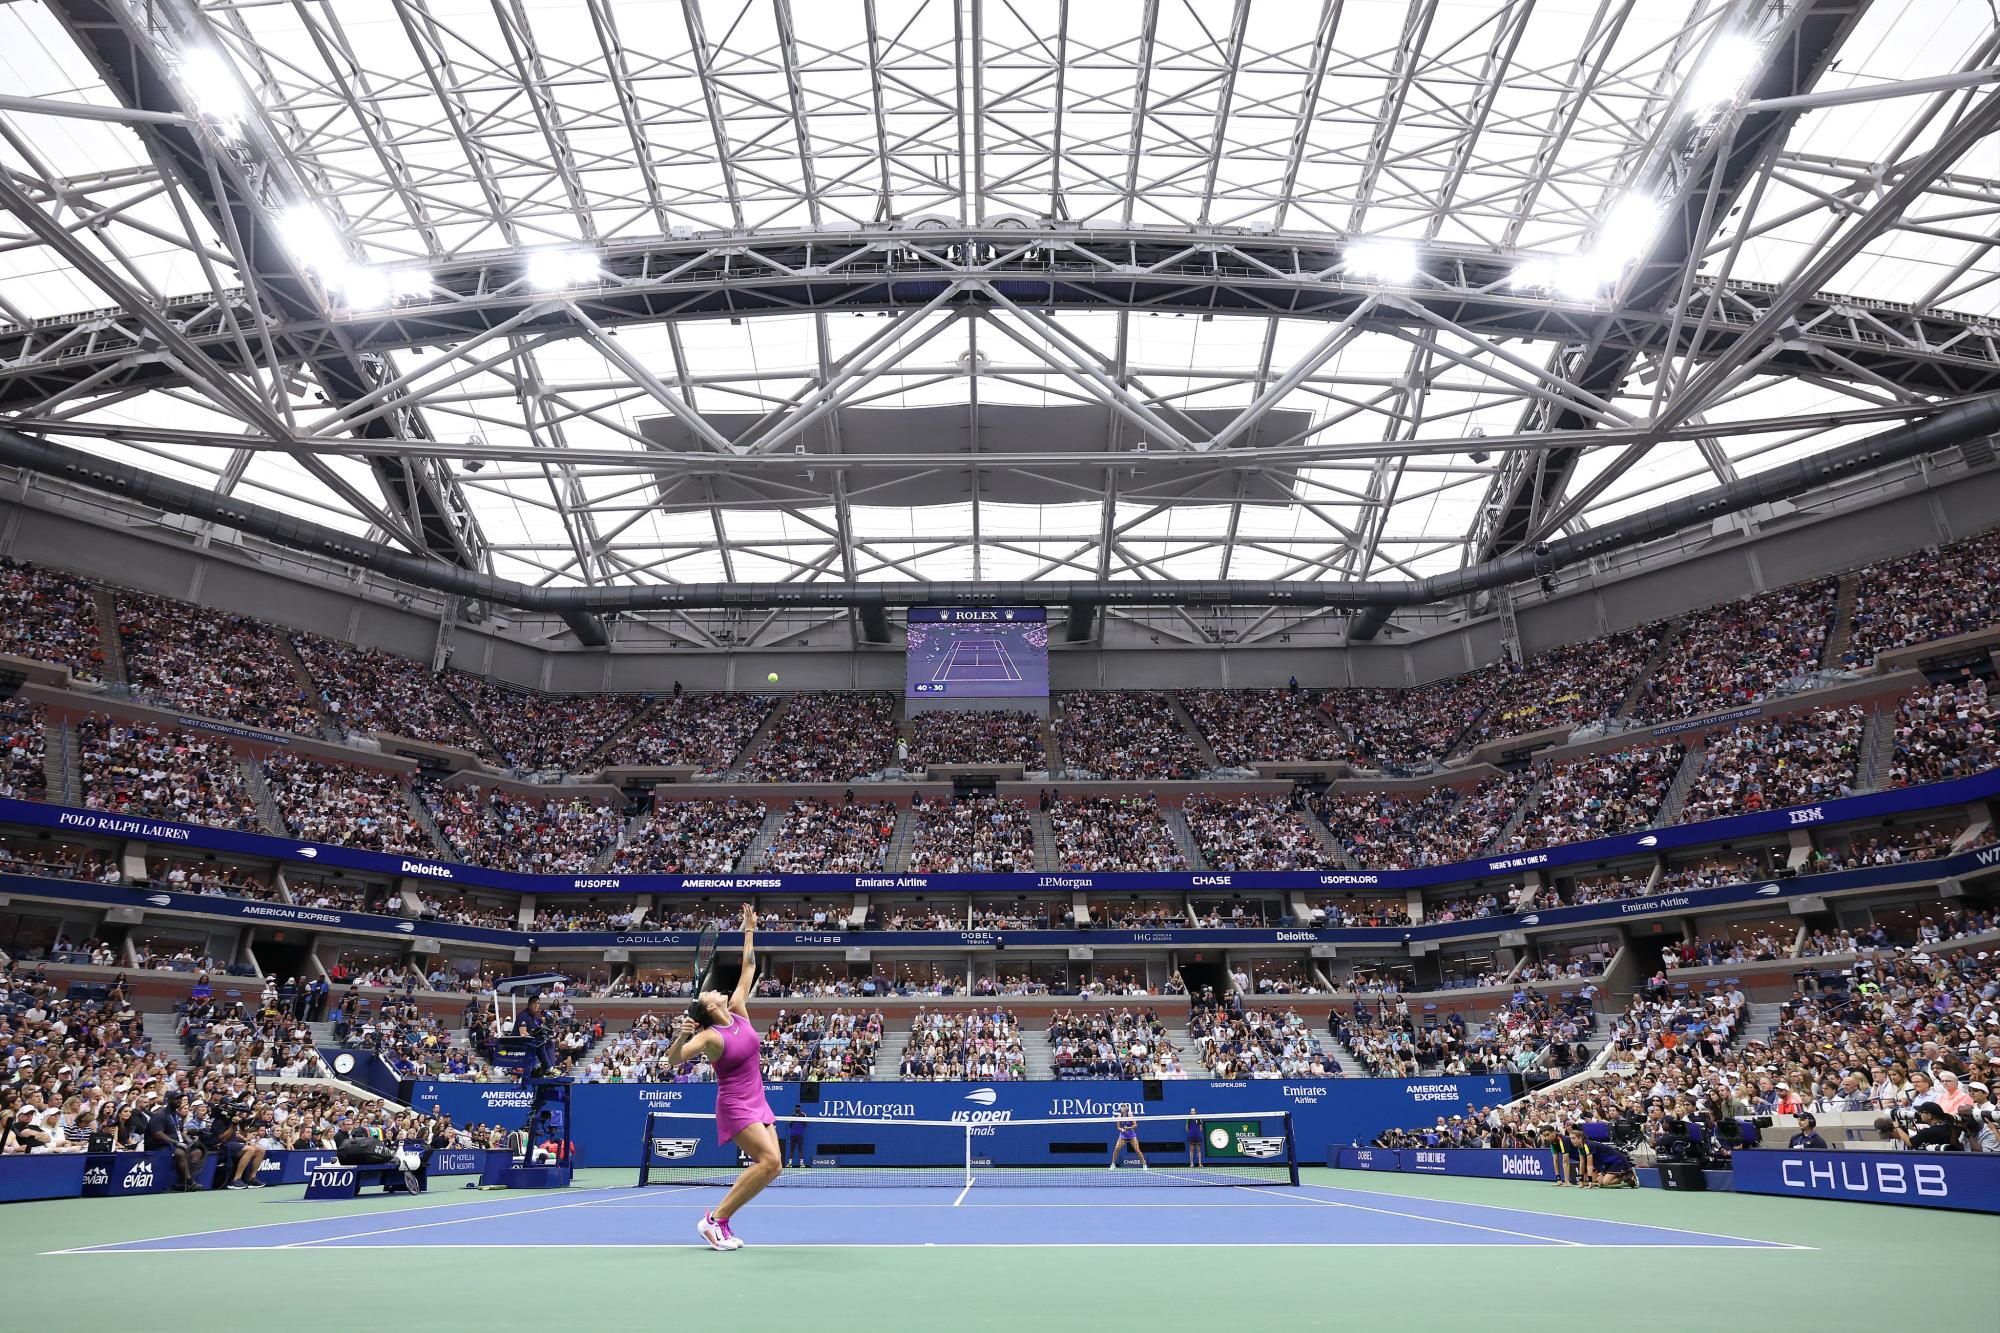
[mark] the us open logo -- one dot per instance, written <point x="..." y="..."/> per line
<point x="675" y="1149"/>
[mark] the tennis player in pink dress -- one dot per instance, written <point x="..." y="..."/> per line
<point x="718" y="1026"/>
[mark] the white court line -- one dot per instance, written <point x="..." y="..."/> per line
<point x="452" y="1221"/>
<point x="936" y="1245"/>
<point x="112" y="1247"/>
<point x="1574" y="1217"/>
<point x="954" y="1203"/>
<point x="1440" y="1221"/>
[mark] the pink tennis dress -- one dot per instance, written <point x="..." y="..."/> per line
<point x="739" y="1078"/>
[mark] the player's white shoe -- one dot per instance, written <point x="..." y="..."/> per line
<point x="716" y="1232"/>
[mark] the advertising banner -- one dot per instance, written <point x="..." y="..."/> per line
<point x="611" y="1117"/>
<point x="1967" y="1181"/>
<point x="1902" y="800"/>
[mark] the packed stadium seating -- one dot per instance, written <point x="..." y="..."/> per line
<point x="1740" y="652"/>
<point x="162" y="773"/>
<point x="1129" y="736"/>
<point x="956" y="1044"/>
<point x="23" y="751"/>
<point x="706" y="732"/>
<point x="345" y="804"/>
<point x="1113" y="833"/>
<point x="999" y="736"/>
<point x="211" y="663"/>
<point x="826" y="738"/>
<point x="1255" y="833"/>
<point x="529" y="834"/>
<point x="47" y="616"/>
<point x="1239" y="1043"/>
<point x="971" y="834"/>
<point x="691" y="838"/>
<point x="839" y="837"/>
<point x="365" y="691"/>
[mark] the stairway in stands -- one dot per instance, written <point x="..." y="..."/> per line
<point x="1193" y="729"/>
<point x="774" y="818"/>
<point x="757" y="738"/>
<point x="1872" y="768"/>
<point x="1682" y="786"/>
<point x="1760" y="1023"/>
<point x="901" y="842"/>
<point x="60" y="766"/>
<point x="1045" y="842"/>
<point x="1637" y="693"/>
<point x="1184" y="839"/>
<point x="1519" y="817"/>
<point x="270" y="819"/>
<point x="1184" y="1047"/>
<point x="1041" y="1057"/>
<point x="164" y="1031"/>
<point x="1327" y="838"/>
<point x="309" y="687"/>
<point x="422" y="814"/>
<point x="594" y="761"/>
<point x="107" y="636"/>
<point x="1841" y="631"/>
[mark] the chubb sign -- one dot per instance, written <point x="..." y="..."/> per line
<point x="1969" y="1181"/>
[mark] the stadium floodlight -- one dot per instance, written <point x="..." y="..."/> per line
<point x="1385" y="261"/>
<point x="213" y="87"/>
<point x="312" y="239"/>
<point x="553" y="270"/>
<point x="1718" y="79"/>
<point x="1629" y="227"/>
<point x="361" y="286"/>
<point x="366" y="287"/>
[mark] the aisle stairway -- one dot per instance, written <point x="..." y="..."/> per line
<point x="107" y="637"/>
<point x="1683" y="784"/>
<point x="269" y="816"/>
<point x="1842" y="630"/>
<point x="309" y="687"/>
<point x="1184" y="839"/>
<point x="164" y="1030"/>
<point x="757" y="738"/>
<point x="774" y="819"/>
<point x="59" y="764"/>
<point x="1193" y="729"/>
<point x="1878" y="752"/>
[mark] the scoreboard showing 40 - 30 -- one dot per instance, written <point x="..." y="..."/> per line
<point x="987" y="652"/>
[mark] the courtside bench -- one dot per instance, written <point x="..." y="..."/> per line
<point x="335" y="1180"/>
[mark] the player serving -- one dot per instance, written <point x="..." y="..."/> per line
<point x="718" y="1026"/>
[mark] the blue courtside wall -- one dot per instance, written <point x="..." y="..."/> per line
<point x="610" y="1118"/>
<point x="1967" y="1181"/>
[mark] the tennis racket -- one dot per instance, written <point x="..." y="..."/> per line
<point x="704" y="957"/>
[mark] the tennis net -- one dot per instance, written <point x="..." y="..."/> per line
<point x="1241" y="1148"/>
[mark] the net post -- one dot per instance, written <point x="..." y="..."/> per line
<point x="1291" y="1149"/>
<point x="968" y="1154"/>
<point x="646" y="1149"/>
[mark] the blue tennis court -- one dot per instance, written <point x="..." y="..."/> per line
<point x="1310" y="1215"/>
<point x="978" y="659"/>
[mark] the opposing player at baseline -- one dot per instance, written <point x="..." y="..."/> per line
<point x="718" y="1026"/>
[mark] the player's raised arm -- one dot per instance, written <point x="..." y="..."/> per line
<point x="739" y="1003"/>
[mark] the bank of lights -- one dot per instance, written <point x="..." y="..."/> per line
<point x="553" y="270"/>
<point x="1383" y="261"/>
<point x="1726" y="66"/>
<point x="318" y="248"/>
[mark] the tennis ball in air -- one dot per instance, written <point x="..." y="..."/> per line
<point x="773" y="678"/>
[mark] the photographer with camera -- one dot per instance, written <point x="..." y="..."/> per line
<point x="1929" y="1128"/>
<point x="223" y="1132"/>
<point x="1981" y="1120"/>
